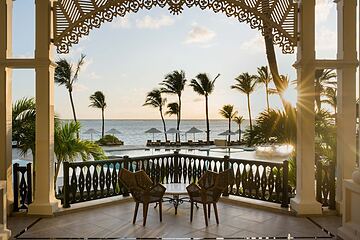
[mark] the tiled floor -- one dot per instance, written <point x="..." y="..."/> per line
<point x="114" y="221"/>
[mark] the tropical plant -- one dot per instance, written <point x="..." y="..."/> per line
<point x="173" y="109"/>
<point x="275" y="126"/>
<point x="66" y="74"/>
<point x="284" y="86"/>
<point x="174" y="83"/>
<point x="98" y="101"/>
<point x="323" y="79"/>
<point x="204" y="86"/>
<point x="330" y="94"/>
<point x="109" y="140"/>
<point x="264" y="77"/>
<point x="228" y="112"/>
<point x="239" y="120"/>
<point x="69" y="148"/>
<point x="23" y="125"/>
<point x="154" y="99"/>
<point x="246" y="83"/>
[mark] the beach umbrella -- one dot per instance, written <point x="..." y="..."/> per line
<point x="194" y="130"/>
<point x="153" y="131"/>
<point x="227" y="133"/>
<point x="172" y="131"/>
<point x="113" y="131"/>
<point x="91" y="131"/>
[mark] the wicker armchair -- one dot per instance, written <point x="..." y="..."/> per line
<point x="143" y="191"/>
<point x="208" y="191"/>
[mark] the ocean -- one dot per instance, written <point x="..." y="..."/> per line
<point x="133" y="131"/>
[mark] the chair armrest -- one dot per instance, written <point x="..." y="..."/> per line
<point x="193" y="190"/>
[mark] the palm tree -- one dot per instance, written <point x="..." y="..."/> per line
<point x="227" y="111"/>
<point x="98" y="101"/>
<point x="246" y="83"/>
<point x="239" y="120"/>
<point x="154" y="99"/>
<point x="204" y="86"/>
<point x="173" y="109"/>
<point x="322" y="79"/>
<point x="330" y="94"/>
<point x="284" y="86"/>
<point x="264" y="77"/>
<point x="67" y="75"/>
<point x="69" y="148"/>
<point x="174" y="83"/>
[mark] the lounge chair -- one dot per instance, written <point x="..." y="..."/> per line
<point x="148" y="143"/>
<point x="143" y="191"/>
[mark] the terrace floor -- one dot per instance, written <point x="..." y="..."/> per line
<point x="114" y="221"/>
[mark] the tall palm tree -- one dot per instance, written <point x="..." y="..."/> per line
<point x="69" y="148"/>
<point x="228" y="112"/>
<point x="322" y="79"/>
<point x="66" y="74"/>
<point x="98" y="101"/>
<point x="264" y="77"/>
<point x="204" y="86"/>
<point x="154" y="99"/>
<point x="239" y="120"/>
<point x="246" y="83"/>
<point x="173" y="109"/>
<point x="174" y="83"/>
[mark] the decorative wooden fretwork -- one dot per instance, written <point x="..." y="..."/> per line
<point x="75" y="18"/>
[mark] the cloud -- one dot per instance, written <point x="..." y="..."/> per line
<point x="78" y="87"/>
<point x="323" y="9"/>
<point x="199" y="34"/>
<point x="255" y="44"/>
<point x="326" y="39"/>
<point x="94" y="76"/>
<point x="148" y="22"/>
<point x="121" y="22"/>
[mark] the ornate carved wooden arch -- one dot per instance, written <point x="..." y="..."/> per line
<point x="75" y="18"/>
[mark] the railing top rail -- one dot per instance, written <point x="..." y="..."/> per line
<point x="180" y="155"/>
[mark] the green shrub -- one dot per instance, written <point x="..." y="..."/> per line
<point x="109" y="140"/>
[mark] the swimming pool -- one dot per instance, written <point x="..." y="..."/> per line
<point x="238" y="153"/>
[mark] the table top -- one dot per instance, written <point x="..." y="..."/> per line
<point x="176" y="188"/>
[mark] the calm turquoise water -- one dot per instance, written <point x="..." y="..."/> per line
<point x="133" y="131"/>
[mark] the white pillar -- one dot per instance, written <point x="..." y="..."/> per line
<point x="305" y="201"/>
<point x="346" y="116"/>
<point x="44" y="197"/>
<point x="6" y="96"/>
<point x="4" y="232"/>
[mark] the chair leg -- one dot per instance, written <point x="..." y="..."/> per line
<point x="205" y="214"/>
<point x="191" y="210"/>
<point x="160" y="210"/>
<point x="135" y="212"/>
<point x="209" y="208"/>
<point x="145" y="211"/>
<point x="216" y="213"/>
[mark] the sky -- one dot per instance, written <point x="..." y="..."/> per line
<point x="128" y="57"/>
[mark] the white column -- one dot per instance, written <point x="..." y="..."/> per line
<point x="4" y="232"/>
<point x="304" y="201"/>
<point x="44" y="196"/>
<point x="6" y="96"/>
<point x="346" y="118"/>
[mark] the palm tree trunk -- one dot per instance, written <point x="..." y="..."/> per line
<point x="179" y="119"/>
<point x="267" y="96"/>
<point x="207" y="119"/>
<point x="72" y="106"/>
<point x="56" y="172"/>
<point x="229" y="129"/>
<point x="164" y="124"/>
<point x="103" y="123"/>
<point x="248" y="100"/>
<point x="239" y="133"/>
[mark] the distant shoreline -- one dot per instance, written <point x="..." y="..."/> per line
<point x="139" y="119"/>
